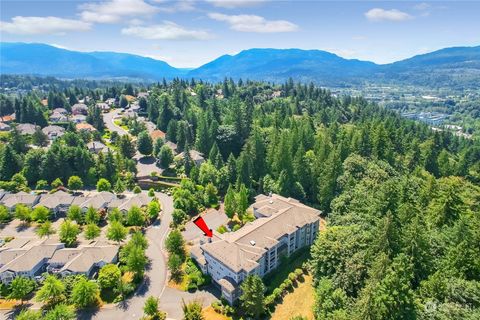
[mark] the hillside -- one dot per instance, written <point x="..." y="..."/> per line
<point x="41" y="59"/>
<point x="457" y="67"/>
<point x="280" y="64"/>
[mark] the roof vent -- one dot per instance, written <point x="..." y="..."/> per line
<point x="252" y="242"/>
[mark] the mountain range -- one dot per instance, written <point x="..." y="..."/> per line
<point x="454" y="67"/>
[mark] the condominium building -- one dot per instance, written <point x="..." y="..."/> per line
<point x="282" y="226"/>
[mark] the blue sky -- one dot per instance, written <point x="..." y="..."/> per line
<point x="190" y="33"/>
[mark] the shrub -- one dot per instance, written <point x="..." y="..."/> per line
<point x="137" y="190"/>
<point x="103" y="185"/>
<point x="4" y="214"/>
<point x="57" y="183"/>
<point x="292" y="277"/>
<point x="41" y="185"/>
<point x="151" y="192"/>
<point x="222" y="229"/>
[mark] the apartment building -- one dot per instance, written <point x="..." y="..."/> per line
<point x="282" y="226"/>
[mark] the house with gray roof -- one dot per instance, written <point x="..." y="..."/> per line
<point x="96" y="147"/>
<point x="53" y="131"/>
<point x="83" y="260"/>
<point x="98" y="201"/>
<point x="79" y="118"/>
<point x="4" y="127"/>
<point x="12" y="199"/>
<point x="27" y="128"/>
<point x="56" y="117"/>
<point x="57" y="202"/>
<point x="30" y="263"/>
<point x="79" y="108"/>
<point x="282" y="226"/>
<point x="60" y="110"/>
<point x="125" y="204"/>
<point x="196" y="157"/>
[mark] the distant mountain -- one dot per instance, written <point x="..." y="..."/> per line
<point x="42" y="59"/>
<point x="453" y="67"/>
<point x="281" y="64"/>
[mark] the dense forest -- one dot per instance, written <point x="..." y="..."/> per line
<point x="402" y="202"/>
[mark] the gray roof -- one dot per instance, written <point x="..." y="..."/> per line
<point x="278" y="216"/>
<point x="58" y="117"/>
<point x="53" y="130"/>
<point x="3" y="193"/>
<point x="53" y="200"/>
<point x="139" y="200"/>
<point x="4" y="126"/>
<point x="97" y="201"/>
<point x="11" y="200"/>
<point x="89" y="257"/>
<point x="31" y="258"/>
<point x="96" y="146"/>
<point x="194" y="154"/>
<point x="60" y="110"/>
<point x="26" y="128"/>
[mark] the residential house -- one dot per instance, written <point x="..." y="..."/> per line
<point x="96" y="147"/>
<point x="282" y="226"/>
<point x="79" y="108"/>
<point x="157" y="134"/>
<point x="12" y="199"/>
<point x="2" y="194"/>
<point x="29" y="263"/>
<point x="27" y="128"/>
<point x="60" y="111"/>
<point x="99" y="201"/>
<point x="196" y="156"/>
<point x="172" y="146"/>
<point x="7" y="118"/>
<point x="139" y="200"/>
<point x="53" y="131"/>
<point x="56" y="117"/>
<point x="142" y="95"/>
<point x="83" y="260"/>
<point x="110" y="102"/>
<point x="103" y="106"/>
<point x="79" y="118"/>
<point x="85" y="127"/>
<point x="57" y="202"/>
<point x="4" y="127"/>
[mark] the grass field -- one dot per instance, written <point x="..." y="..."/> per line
<point x="275" y="278"/>
<point x="210" y="314"/>
<point x="297" y="303"/>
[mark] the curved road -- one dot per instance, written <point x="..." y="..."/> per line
<point x="155" y="275"/>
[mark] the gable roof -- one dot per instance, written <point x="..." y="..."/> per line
<point x="279" y="216"/>
<point x="27" y="128"/>
<point x="53" y="200"/>
<point x="12" y="199"/>
<point x="31" y="257"/>
<point x="139" y="200"/>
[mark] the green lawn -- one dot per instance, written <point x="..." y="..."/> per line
<point x="277" y="276"/>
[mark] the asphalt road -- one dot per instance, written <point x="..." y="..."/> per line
<point x="109" y="118"/>
<point x="155" y="275"/>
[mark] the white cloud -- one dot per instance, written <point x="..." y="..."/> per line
<point x="378" y="14"/>
<point x="422" y="6"/>
<point x="166" y="31"/>
<point x="230" y="4"/>
<point x="253" y="23"/>
<point x="42" y="25"/>
<point x="114" y="10"/>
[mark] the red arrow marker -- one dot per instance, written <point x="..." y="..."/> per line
<point x="199" y="222"/>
